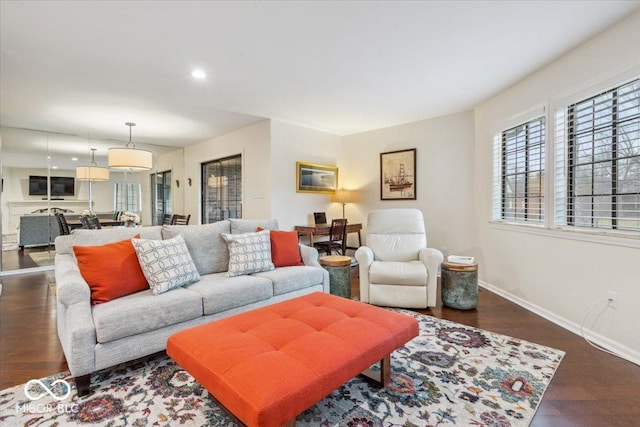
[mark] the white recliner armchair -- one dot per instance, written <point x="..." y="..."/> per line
<point x="396" y="267"/>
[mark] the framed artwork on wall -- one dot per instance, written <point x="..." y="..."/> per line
<point x="398" y="175"/>
<point x="313" y="178"/>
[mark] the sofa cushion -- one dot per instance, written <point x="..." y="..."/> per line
<point x="248" y="253"/>
<point x="239" y="226"/>
<point x="166" y="264"/>
<point x="285" y="249"/>
<point x="84" y="237"/>
<point x="111" y="270"/>
<point x="398" y="273"/>
<point x="208" y="249"/>
<point x="289" y="279"/>
<point x="143" y="312"/>
<point x="221" y="293"/>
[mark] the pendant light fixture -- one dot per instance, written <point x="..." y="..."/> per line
<point x="130" y="157"/>
<point x="93" y="172"/>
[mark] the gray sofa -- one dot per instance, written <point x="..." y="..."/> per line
<point x="95" y="337"/>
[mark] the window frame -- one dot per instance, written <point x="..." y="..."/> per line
<point x="507" y="147"/>
<point x="228" y="195"/>
<point x="552" y="108"/>
<point x="574" y="164"/>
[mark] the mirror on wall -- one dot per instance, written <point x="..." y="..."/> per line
<point x="39" y="180"/>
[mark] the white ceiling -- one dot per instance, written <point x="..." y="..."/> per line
<point x="85" y="68"/>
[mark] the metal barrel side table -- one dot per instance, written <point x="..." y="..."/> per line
<point x="339" y="268"/>
<point x="459" y="285"/>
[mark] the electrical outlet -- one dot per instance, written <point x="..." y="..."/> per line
<point x="613" y="299"/>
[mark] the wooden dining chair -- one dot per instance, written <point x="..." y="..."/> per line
<point x="167" y="219"/>
<point x="85" y="222"/>
<point x="336" y="240"/>
<point x="62" y="224"/>
<point x="180" y="219"/>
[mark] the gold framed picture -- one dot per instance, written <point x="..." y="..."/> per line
<point x="314" y="178"/>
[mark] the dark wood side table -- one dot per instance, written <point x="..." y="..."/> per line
<point x="459" y="285"/>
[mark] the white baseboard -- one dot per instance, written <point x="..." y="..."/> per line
<point x="607" y="343"/>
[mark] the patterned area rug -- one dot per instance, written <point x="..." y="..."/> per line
<point x="450" y="374"/>
<point x="43" y="259"/>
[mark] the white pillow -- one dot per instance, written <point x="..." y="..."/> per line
<point x="166" y="264"/>
<point x="248" y="252"/>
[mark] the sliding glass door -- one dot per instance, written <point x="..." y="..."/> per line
<point x="222" y="189"/>
<point x="161" y="196"/>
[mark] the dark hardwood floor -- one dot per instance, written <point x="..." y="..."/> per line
<point x="590" y="388"/>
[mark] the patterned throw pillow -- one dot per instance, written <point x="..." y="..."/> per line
<point x="248" y="253"/>
<point x="166" y="264"/>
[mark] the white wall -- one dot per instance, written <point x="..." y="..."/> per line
<point x="289" y="144"/>
<point x="174" y="162"/>
<point x="563" y="277"/>
<point x="444" y="160"/>
<point x="253" y="142"/>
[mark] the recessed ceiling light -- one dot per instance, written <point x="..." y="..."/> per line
<point x="75" y="159"/>
<point x="54" y="167"/>
<point x="199" y="74"/>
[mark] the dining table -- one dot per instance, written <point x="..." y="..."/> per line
<point x="314" y="230"/>
<point x="104" y="222"/>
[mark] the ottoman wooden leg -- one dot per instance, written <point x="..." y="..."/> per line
<point x="382" y="378"/>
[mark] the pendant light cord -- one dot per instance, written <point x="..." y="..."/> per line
<point x="130" y="144"/>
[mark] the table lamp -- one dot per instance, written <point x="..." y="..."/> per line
<point x="343" y="196"/>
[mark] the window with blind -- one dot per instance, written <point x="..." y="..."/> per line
<point x="127" y="197"/>
<point x="222" y="189"/>
<point x="598" y="161"/>
<point x="521" y="173"/>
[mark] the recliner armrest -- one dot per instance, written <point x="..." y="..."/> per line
<point x="364" y="256"/>
<point x="432" y="258"/>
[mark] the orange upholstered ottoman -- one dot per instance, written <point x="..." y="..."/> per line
<point x="268" y="365"/>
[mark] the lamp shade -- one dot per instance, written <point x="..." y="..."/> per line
<point x="130" y="158"/>
<point x="217" y="181"/>
<point x="92" y="173"/>
<point x="343" y="196"/>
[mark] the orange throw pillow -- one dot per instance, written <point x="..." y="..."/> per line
<point x="112" y="270"/>
<point x="284" y="248"/>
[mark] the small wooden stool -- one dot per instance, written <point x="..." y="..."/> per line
<point x="459" y="285"/>
<point x="339" y="268"/>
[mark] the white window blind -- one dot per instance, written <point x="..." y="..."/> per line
<point x="496" y="213"/>
<point x="521" y="172"/>
<point x="597" y="179"/>
<point x="127" y="197"/>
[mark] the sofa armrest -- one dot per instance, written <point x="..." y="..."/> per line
<point x="77" y="334"/>
<point x="310" y="258"/>
<point x="71" y="287"/>
<point x="309" y="255"/>
<point x="74" y="317"/>
<point x="364" y="256"/>
<point x="432" y="258"/>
